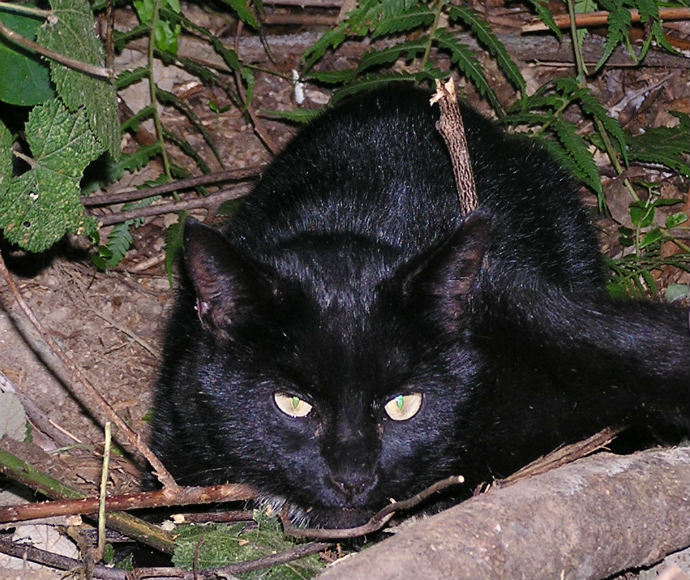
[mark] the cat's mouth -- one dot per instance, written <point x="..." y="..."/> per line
<point x="318" y="517"/>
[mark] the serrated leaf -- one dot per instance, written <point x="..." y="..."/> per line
<point x="241" y="8"/>
<point x="490" y="41"/>
<point x="641" y="215"/>
<point x="592" y="107"/>
<point x="372" y="82"/>
<point x="618" y="23"/>
<point x="541" y="7"/>
<point x="577" y="150"/>
<point x="331" y="39"/>
<point x="6" y="142"/>
<point x="24" y="80"/>
<point x="71" y="32"/>
<point x="409" y="50"/>
<point x="468" y="63"/>
<point x="404" y="21"/>
<point x="668" y="146"/>
<point x="43" y="204"/>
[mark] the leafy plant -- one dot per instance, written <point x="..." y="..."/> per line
<point x="64" y="133"/>
<point x="214" y="545"/>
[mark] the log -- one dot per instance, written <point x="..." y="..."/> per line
<point x="588" y="519"/>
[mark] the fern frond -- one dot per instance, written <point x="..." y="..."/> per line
<point x="468" y="63"/>
<point x="580" y="158"/>
<point x="669" y="146"/>
<point x="372" y="82"/>
<point x="541" y="7"/>
<point x="404" y="21"/>
<point x="489" y="40"/>
<point x="389" y="55"/>
<point x="619" y="23"/>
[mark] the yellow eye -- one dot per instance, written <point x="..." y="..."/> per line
<point x="403" y="407"/>
<point x="292" y="406"/>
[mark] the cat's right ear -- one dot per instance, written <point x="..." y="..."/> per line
<point x="446" y="274"/>
<point x="225" y="282"/>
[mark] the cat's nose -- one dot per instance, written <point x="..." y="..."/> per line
<point x="355" y="484"/>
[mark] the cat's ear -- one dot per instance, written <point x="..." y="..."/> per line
<point x="225" y="282"/>
<point x="446" y="273"/>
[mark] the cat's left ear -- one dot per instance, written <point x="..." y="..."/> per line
<point x="227" y="284"/>
<point x="446" y="274"/>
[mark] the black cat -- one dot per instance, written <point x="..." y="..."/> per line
<point x="350" y="338"/>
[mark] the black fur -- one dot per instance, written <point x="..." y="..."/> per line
<point x="348" y="277"/>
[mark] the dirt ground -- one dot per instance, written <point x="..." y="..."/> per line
<point x="111" y="324"/>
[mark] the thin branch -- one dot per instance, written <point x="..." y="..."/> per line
<point x="130" y="501"/>
<point x="16" y="468"/>
<point x="173" y="206"/>
<point x="452" y="129"/>
<point x="84" y="67"/>
<point x="178" y="185"/>
<point x="562" y="456"/>
<point x="601" y="18"/>
<point x="380" y="519"/>
<point x="88" y="395"/>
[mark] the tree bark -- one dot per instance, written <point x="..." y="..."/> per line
<point x="589" y="519"/>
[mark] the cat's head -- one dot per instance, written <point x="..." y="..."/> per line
<point x="332" y="383"/>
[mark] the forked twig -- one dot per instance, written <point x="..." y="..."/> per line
<point x="377" y="521"/>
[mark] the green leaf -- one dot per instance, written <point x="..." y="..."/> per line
<point x="468" y="63"/>
<point x="331" y="77"/>
<point x="117" y="246"/>
<point x="487" y="37"/>
<point x="301" y="116"/>
<point x="618" y="23"/>
<point x="675" y="220"/>
<point x="409" y="50"/>
<point x="43" y="204"/>
<point x="372" y="82"/>
<point x="650" y="238"/>
<point x="241" y="7"/>
<point x="641" y="214"/>
<point x="541" y="7"/>
<point x="6" y="142"/>
<point x="404" y="21"/>
<point x="24" y="79"/>
<point x="668" y="146"/>
<point x="331" y="39"/>
<point x="579" y="153"/>
<point x="71" y="33"/>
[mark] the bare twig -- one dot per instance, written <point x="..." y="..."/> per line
<point x="601" y="18"/>
<point x="149" y="499"/>
<point x="178" y="185"/>
<point x="84" y="67"/>
<point x="210" y="200"/>
<point x="104" y="573"/>
<point x="561" y="456"/>
<point x="88" y="395"/>
<point x="16" y="468"/>
<point x="379" y="520"/>
<point x="452" y="129"/>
